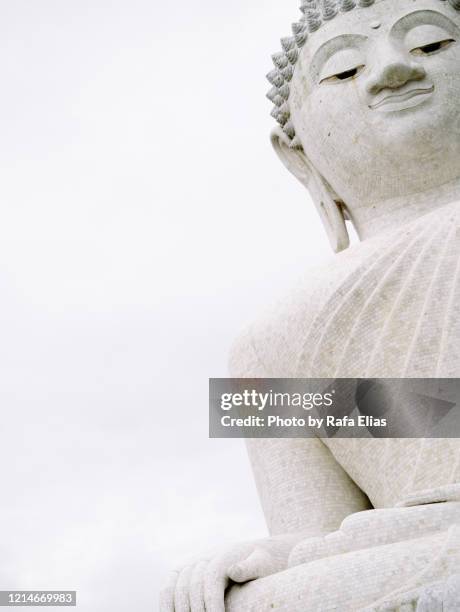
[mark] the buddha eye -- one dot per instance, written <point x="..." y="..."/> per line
<point x="432" y="48"/>
<point x="343" y="76"/>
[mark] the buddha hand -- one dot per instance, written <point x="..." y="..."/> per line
<point x="201" y="586"/>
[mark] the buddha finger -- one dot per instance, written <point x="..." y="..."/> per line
<point x="257" y="565"/>
<point x="167" y="593"/>
<point x="215" y="583"/>
<point x="181" y="595"/>
<point x="197" y="587"/>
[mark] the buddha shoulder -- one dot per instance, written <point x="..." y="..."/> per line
<point x="271" y="345"/>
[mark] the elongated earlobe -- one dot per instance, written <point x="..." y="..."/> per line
<point x="325" y="200"/>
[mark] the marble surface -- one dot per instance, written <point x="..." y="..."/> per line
<point x="374" y="135"/>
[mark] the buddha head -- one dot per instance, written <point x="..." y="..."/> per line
<point x="367" y="99"/>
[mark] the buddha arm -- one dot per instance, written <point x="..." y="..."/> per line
<point x="302" y="488"/>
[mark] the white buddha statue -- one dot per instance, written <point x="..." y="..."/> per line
<point x="367" y="97"/>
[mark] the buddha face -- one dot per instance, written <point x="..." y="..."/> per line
<point x="375" y="99"/>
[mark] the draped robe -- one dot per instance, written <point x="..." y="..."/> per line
<point x="388" y="307"/>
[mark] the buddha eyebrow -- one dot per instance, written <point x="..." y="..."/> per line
<point x="327" y="49"/>
<point x="425" y="16"/>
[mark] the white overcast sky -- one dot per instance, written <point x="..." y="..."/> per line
<point x="144" y="221"/>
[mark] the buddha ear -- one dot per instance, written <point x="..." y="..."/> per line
<point x="326" y="201"/>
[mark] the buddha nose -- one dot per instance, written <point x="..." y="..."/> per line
<point x="395" y="75"/>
